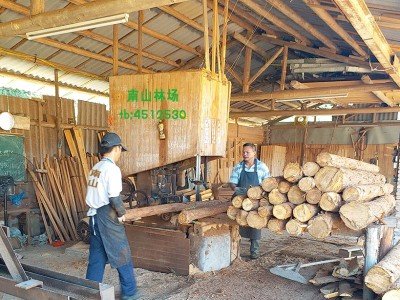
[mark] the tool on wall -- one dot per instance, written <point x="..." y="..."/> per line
<point x="6" y="183"/>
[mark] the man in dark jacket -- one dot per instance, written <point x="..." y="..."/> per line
<point x="108" y="242"/>
<point x="249" y="172"/>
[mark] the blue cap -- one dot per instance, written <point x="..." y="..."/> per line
<point x="112" y="139"/>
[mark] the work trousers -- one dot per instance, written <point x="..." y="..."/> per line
<point x="254" y="247"/>
<point x="98" y="260"/>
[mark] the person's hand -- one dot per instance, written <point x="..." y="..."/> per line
<point x="121" y="219"/>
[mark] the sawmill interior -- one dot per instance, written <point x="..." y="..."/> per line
<point x="304" y="92"/>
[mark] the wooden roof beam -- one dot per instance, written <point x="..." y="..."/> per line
<point x="70" y="15"/>
<point x="313" y="112"/>
<point x="323" y="92"/>
<point x="248" y="43"/>
<point x="330" y="21"/>
<point x="357" y="12"/>
<point x="294" y="16"/>
<point x="381" y="95"/>
<point x="301" y="86"/>
<point x="37" y="7"/>
<point x="257" y="23"/>
<point x="275" y="20"/>
<point x="320" y="52"/>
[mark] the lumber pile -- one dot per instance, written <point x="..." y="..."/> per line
<point x="60" y="188"/>
<point x="334" y="195"/>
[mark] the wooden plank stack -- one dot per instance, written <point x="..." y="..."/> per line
<point x="332" y="195"/>
<point x="60" y="188"/>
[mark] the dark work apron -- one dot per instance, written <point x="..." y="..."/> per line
<point x="113" y="236"/>
<point x="247" y="179"/>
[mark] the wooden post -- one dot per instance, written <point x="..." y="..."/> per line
<point x="284" y="66"/>
<point x="206" y="40"/>
<point x="372" y="242"/>
<point x="115" y="49"/>
<point x="140" y="40"/>
<point x="58" y="114"/>
<point x="224" y="33"/>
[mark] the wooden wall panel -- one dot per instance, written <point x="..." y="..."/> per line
<point x="171" y="252"/>
<point x="274" y="157"/>
<point x="203" y="99"/>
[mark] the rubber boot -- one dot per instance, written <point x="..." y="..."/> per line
<point x="254" y="249"/>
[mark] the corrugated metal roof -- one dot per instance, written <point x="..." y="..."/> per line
<point x="159" y="24"/>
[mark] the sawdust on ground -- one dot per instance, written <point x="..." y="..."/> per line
<point x="244" y="279"/>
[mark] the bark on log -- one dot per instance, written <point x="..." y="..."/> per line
<point x="254" y="220"/>
<point x="321" y="226"/>
<point x="284" y="186"/>
<point x="310" y="168"/>
<point x="325" y="159"/>
<point x="295" y="227"/>
<point x="385" y="273"/>
<point x="292" y="172"/>
<point x="276" y="225"/>
<point x="238" y="200"/>
<point x="275" y="197"/>
<point x="241" y="217"/>
<point x="270" y="183"/>
<point x="296" y="196"/>
<point x="306" y="183"/>
<point x="189" y="215"/>
<point x="264" y="202"/>
<point x="137" y="213"/>
<point x="265" y="211"/>
<point x="305" y="212"/>
<point x="232" y="212"/>
<point x="367" y="192"/>
<point x="330" y="201"/>
<point x="331" y="179"/>
<point x="313" y="196"/>
<point x="283" y="211"/>
<point x="255" y="192"/>
<point x="250" y="204"/>
<point x="394" y="292"/>
<point x="358" y="215"/>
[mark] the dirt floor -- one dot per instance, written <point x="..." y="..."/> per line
<point x="244" y="279"/>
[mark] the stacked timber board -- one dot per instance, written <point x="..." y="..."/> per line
<point x="332" y="195"/>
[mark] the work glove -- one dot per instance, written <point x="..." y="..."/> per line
<point x="121" y="219"/>
<point x="240" y="191"/>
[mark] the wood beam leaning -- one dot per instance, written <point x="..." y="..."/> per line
<point x="266" y="65"/>
<point x="357" y="12"/>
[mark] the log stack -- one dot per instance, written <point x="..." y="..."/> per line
<point x="332" y="195"/>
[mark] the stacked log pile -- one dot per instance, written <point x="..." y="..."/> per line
<point x="332" y="195"/>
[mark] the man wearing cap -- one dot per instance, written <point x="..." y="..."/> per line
<point x="108" y="242"/>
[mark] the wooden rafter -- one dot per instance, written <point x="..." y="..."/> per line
<point x="357" y="12"/>
<point x="381" y="95"/>
<point x="301" y="86"/>
<point x="256" y="22"/>
<point x="330" y="21"/>
<point x="294" y="16"/>
<point x="315" y="92"/>
<point x="266" y="65"/>
<point x="37" y="7"/>
<point x="275" y="20"/>
<point x="320" y="52"/>
<point x="70" y="15"/>
<point x="313" y="112"/>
